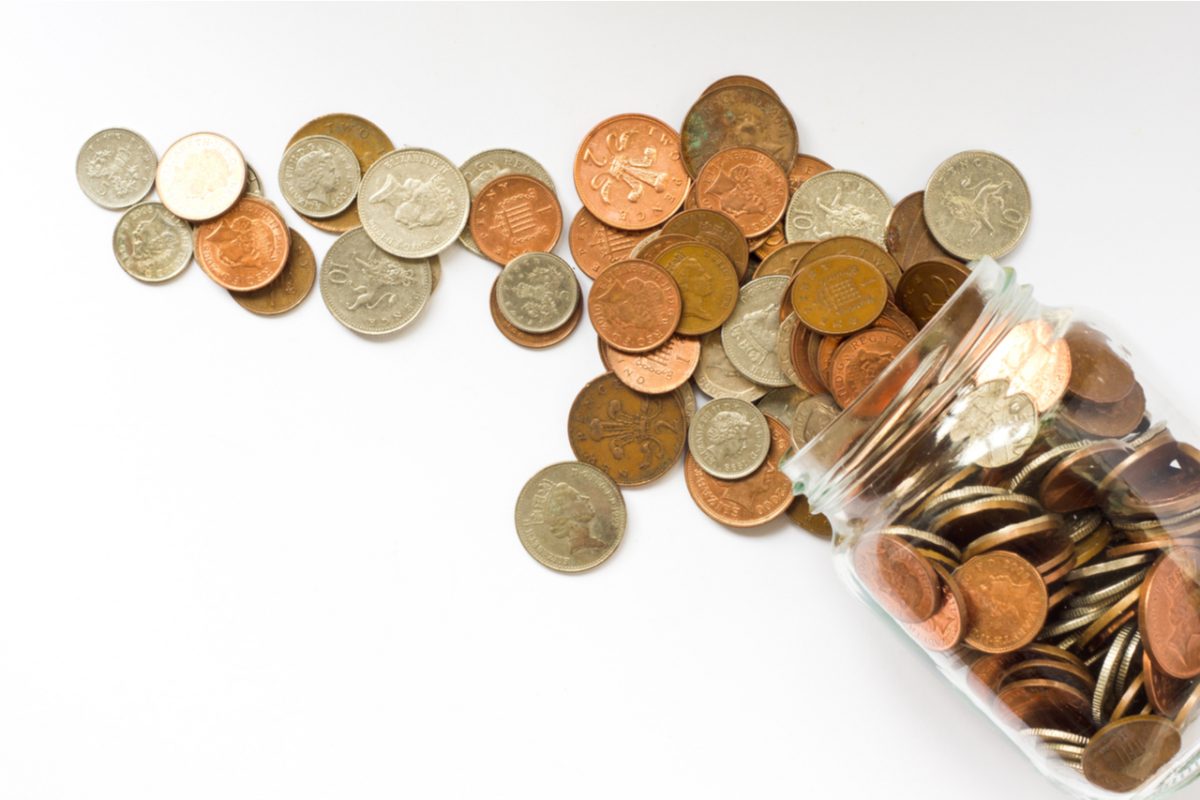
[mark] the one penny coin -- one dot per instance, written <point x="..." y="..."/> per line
<point x="657" y="371"/>
<point x="859" y="360"/>
<point x="945" y="629"/>
<point x="839" y="295"/>
<point x="1124" y="754"/>
<point x="635" y="306"/>
<point x="708" y="285"/>
<point x="246" y="247"/>
<point x="716" y="229"/>
<point x="754" y="500"/>
<point x="1169" y="613"/>
<point x="1006" y="601"/>
<point x="745" y="184"/>
<point x="513" y="215"/>
<point x="595" y="245"/>
<point x="898" y="577"/>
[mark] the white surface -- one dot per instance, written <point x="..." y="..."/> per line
<point x="246" y="557"/>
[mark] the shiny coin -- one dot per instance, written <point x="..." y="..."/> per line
<point x="482" y="168"/>
<point x="996" y="427"/>
<point x="1124" y="754"/>
<point x="1169" y="613"/>
<point x="570" y="516"/>
<point x="151" y="243"/>
<point x="750" y="333"/>
<point x="747" y="186"/>
<point x="201" y="176"/>
<point x="369" y="290"/>
<point x="1005" y="601"/>
<point x="634" y="306"/>
<point x="658" y="371"/>
<point x="537" y="292"/>
<point x="738" y="116"/>
<point x="115" y="168"/>
<point x="715" y="229"/>
<point x="319" y="176"/>
<point x="729" y="438"/>
<point x="708" y="285"/>
<point x="717" y="377"/>
<point x="753" y="500"/>
<point x="976" y="205"/>
<point x="369" y="144"/>
<point x="290" y="287"/>
<point x="595" y="245"/>
<point x="839" y="294"/>
<point x="246" y="247"/>
<point x="515" y="214"/>
<point x="838" y="203"/>
<point x="944" y="630"/>
<point x="413" y="203"/>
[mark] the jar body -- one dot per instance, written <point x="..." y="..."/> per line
<point x="1013" y="493"/>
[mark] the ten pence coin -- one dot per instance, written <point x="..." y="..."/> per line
<point x="201" y="176"/>
<point x="838" y="203"/>
<point x="371" y="291"/>
<point x="151" y="243"/>
<point x="413" y="203"/>
<point x="570" y="516"/>
<point x="976" y="205"/>
<point x="246" y="247"/>
<point x="115" y="168"/>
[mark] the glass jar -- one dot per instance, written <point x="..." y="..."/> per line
<point x="1013" y="497"/>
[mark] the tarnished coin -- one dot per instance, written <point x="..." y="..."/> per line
<point x="729" y="438"/>
<point x="658" y="371"/>
<point x="1006" y="601"/>
<point x="369" y="144"/>
<point x="750" y="333"/>
<point x="976" y="205"/>
<point x="1124" y="754"/>
<point x="739" y="80"/>
<point x="151" y="243"/>
<point x="838" y="294"/>
<point x="717" y="377"/>
<point x="784" y="261"/>
<point x="628" y="172"/>
<point x="633" y="437"/>
<point x="908" y="238"/>
<point x="369" y="290"/>
<point x="533" y="341"/>
<point x="708" y="285"/>
<point x="201" y="176"/>
<point x="634" y="306"/>
<point x="246" y="247"/>
<point x="482" y="168"/>
<point x="595" y="245"/>
<point x="753" y="500"/>
<point x="926" y="286"/>
<point x="1169" y="613"/>
<point x="515" y="214"/>
<point x="812" y="417"/>
<point x="803" y="168"/>
<point x="747" y="186"/>
<point x="716" y="229"/>
<point x="413" y="203"/>
<point x="1033" y="360"/>
<point x="738" y="116"/>
<point x="998" y="427"/>
<point x="898" y="577"/>
<point x="838" y="203"/>
<point x="570" y="516"/>
<point x="1098" y="373"/>
<point x="319" y="176"/>
<point x="290" y="287"/>
<point x="537" y="292"/>
<point x="115" y="168"/>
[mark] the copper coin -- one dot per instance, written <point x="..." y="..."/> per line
<point x="633" y="437"/>
<point x="1033" y="360"/>
<point x="868" y="251"/>
<point x="839" y="294"/>
<point x="738" y="116"/>
<point x="708" y="285"/>
<point x="859" y="360"/>
<point x="714" y="228"/>
<point x="800" y="513"/>
<point x="595" y="245"/>
<point x="739" y="80"/>
<point x="1098" y="373"/>
<point x="368" y="143"/>
<point x="1006" y="601"/>
<point x="1042" y="703"/>
<point x="1165" y="693"/>
<point x="513" y="215"/>
<point x="1055" y="669"/>
<point x="1071" y="484"/>
<point x="821" y="352"/>
<point x="290" y="287"/>
<point x="629" y="173"/>
<point x="803" y="168"/>
<point x="635" y="306"/>
<point x="896" y="320"/>
<point x="945" y="629"/>
<point x="908" y="238"/>
<point x="744" y="503"/>
<point x="650" y="249"/>
<point x="926" y="286"/>
<point x="1112" y="420"/>
<point x="1169" y="613"/>
<point x="246" y="247"/>
<point x="658" y="371"/>
<point x="899" y="578"/>
<point x="785" y="261"/>
<point x="534" y="341"/>
<point x="764" y="247"/>
<point x="747" y="186"/>
<point x="809" y="378"/>
<point x="1124" y="754"/>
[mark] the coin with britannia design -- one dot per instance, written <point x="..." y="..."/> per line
<point x="570" y="516"/>
<point x="482" y="168"/>
<point x="151" y="243"/>
<point x="319" y="176"/>
<point x="537" y="292"/>
<point x="115" y="168"/>
<point x="838" y="203"/>
<point x="729" y="438"/>
<point x="976" y="205"/>
<point x="201" y="176"/>
<point x="371" y="291"/>
<point x="413" y="203"/>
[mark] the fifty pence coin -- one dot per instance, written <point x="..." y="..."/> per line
<point x="115" y="168"/>
<point x="319" y="176"/>
<point x="413" y="203"/>
<point x="369" y="290"/>
<point x="151" y="243"/>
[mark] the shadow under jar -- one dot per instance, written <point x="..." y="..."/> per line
<point x="1013" y="495"/>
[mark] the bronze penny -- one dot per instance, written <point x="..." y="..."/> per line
<point x="1055" y="669"/>
<point x="896" y="320"/>
<point x="746" y="185"/>
<point x="740" y="80"/>
<point x="1006" y="601"/>
<point x="1169" y="613"/>
<point x="513" y="215"/>
<point x="650" y="249"/>
<point x="634" y="306"/>
<point x="1112" y="420"/>
<point x="803" y="168"/>
<point x="868" y="251"/>
<point x="908" y="238"/>
<point x="926" y="286"/>
<point x="1098" y="374"/>
<point x="1041" y="703"/>
<point x="738" y="116"/>
<point x="716" y="229"/>
<point x="708" y="285"/>
<point x="246" y="247"/>
<point x="859" y="360"/>
<point x="945" y="629"/>
<point x="1070" y="485"/>
<point x="534" y="341"/>
<point x="1033" y="360"/>
<point x="657" y="371"/>
<point x="775" y="239"/>
<point x="785" y="261"/>
<point x="839" y="294"/>
<point x="595" y="245"/>
<point x="800" y="513"/>
<point x="631" y="436"/>
<point x="290" y="287"/>
<point x="1165" y="693"/>
<point x="754" y="500"/>
<point x="898" y="577"/>
<point x="1124" y="754"/>
<point x="367" y="142"/>
<point x="809" y="379"/>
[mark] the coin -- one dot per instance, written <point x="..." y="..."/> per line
<point x="716" y="229"/>
<point x="996" y="426"/>
<point x="290" y="287"/>
<point x="246" y="247"/>
<point x="413" y="203"/>
<point x="650" y="248"/>
<point x="537" y="292"/>
<point x="783" y="350"/>
<point x="729" y="438"/>
<point x="1042" y="703"/>
<point x="515" y="214"/>
<point x="754" y="500"/>
<point x="812" y="417"/>
<point x="658" y="371"/>
<point x="899" y="578"/>
<point x="115" y="168"/>
<point x="595" y="245"/>
<point x="1124" y="754"/>
<point x="633" y="437"/>
<point x="1105" y="419"/>
<point x="839" y="294"/>
<point x="533" y="341"/>
<point x="781" y="403"/>
<point x="570" y="516"/>
<point x="1169" y="613"/>
<point x="870" y="252"/>
<point x="738" y="116"/>
<point x="838" y="203"/>
<point x="772" y="241"/>
<point x="319" y="176"/>
<point x="1166" y="694"/>
<point x="926" y="286"/>
<point x="739" y="80"/>
<point x="151" y="243"/>
<point x="750" y="333"/>
<point x="1005" y="601"/>
<point x="861" y="359"/>
<point x="253" y="183"/>
<point x="363" y="137"/>
<point x="369" y="290"/>
<point x="908" y="238"/>
<point x="785" y="260"/>
<point x="482" y="168"/>
<point x="628" y="172"/>
<point x="1033" y="360"/>
<point x="976" y="205"/>
<point x="634" y="306"/>
<point x="201" y="176"/>
<point x="800" y="513"/>
<point x="708" y="285"/>
<point x="717" y="377"/>
<point x="803" y="168"/>
<point x="746" y="185"/>
<point x="1098" y="373"/>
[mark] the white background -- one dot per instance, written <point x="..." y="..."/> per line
<point x="267" y="558"/>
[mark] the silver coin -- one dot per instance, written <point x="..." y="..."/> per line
<point x="640" y="247"/>
<point x="976" y="205"/>
<point x="838" y="203"/>
<point x="413" y="202"/>
<point x="570" y="516"/>
<point x="813" y="416"/>
<point x="537" y="292"/>
<point x="781" y="403"/>
<point x="115" y="168"/>
<point x="752" y="330"/>
<point x="371" y="291"/>
<point x="253" y="183"/>
<point x="995" y="427"/>
<point x="201" y="176"/>
<point x="688" y="398"/>
<point x="319" y="176"/>
<point x="783" y="348"/>
<point x="717" y="377"/>
<point x="151" y="243"/>
<point x="435" y="268"/>
<point x="484" y="167"/>
<point x="729" y="438"/>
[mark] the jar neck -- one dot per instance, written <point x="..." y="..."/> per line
<point x="890" y="448"/>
